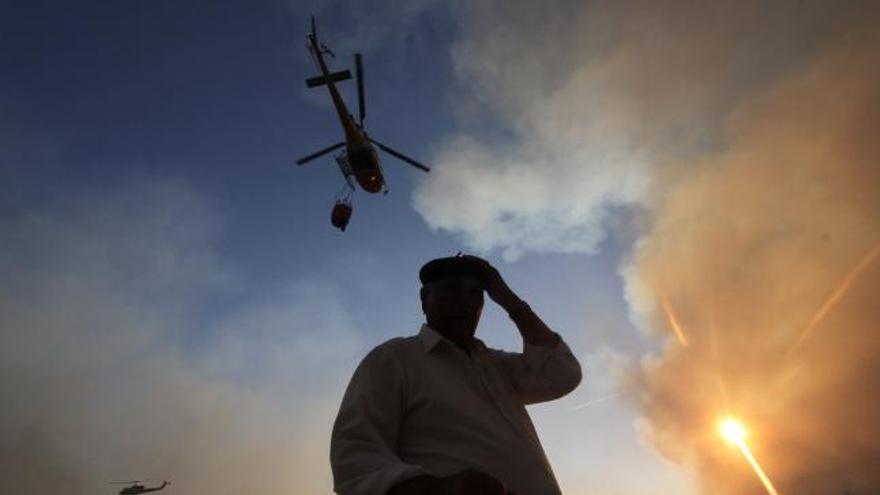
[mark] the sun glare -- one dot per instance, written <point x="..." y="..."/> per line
<point x="733" y="431"/>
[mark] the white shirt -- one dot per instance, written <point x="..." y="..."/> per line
<point x="420" y="405"/>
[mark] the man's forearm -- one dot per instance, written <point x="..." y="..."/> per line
<point x="531" y="327"/>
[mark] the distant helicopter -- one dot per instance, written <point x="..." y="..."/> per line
<point x="359" y="158"/>
<point x="136" y="488"/>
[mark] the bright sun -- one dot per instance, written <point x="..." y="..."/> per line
<point x="733" y="431"/>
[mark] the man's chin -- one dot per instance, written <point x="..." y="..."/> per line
<point x="465" y="328"/>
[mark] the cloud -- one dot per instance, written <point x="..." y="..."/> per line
<point x="594" y="103"/>
<point x="111" y="368"/>
<point x="606" y="368"/>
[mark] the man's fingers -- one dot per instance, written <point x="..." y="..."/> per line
<point x="491" y="271"/>
<point x="478" y="260"/>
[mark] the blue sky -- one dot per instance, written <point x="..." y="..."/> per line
<point x="106" y="97"/>
<point x="175" y="303"/>
<point x="148" y="163"/>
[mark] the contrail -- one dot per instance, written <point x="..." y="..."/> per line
<point x="835" y="297"/>
<point x="673" y="321"/>
<point x="594" y="401"/>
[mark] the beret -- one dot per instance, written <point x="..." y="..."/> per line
<point x="453" y="266"/>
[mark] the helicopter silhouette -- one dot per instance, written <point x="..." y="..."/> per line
<point x="360" y="159"/>
<point x="136" y="488"/>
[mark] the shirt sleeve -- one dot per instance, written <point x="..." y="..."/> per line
<point x="539" y="373"/>
<point x="362" y="445"/>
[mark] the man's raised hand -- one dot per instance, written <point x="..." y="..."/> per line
<point x="496" y="287"/>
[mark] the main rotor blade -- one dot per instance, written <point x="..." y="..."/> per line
<point x="399" y="155"/>
<point x="328" y="149"/>
<point x="359" y="71"/>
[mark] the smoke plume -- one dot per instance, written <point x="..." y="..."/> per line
<point x="765" y="254"/>
<point x="747" y="134"/>
<point x="111" y="369"/>
<point x="591" y="98"/>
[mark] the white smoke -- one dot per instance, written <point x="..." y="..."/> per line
<point x="597" y="102"/>
<point x="123" y="357"/>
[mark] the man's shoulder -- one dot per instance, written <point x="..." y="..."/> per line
<point x="394" y="353"/>
<point x="397" y="346"/>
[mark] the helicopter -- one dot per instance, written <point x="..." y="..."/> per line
<point x="360" y="159"/>
<point x="136" y="488"/>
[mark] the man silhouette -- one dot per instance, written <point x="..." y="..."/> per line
<point x="439" y="413"/>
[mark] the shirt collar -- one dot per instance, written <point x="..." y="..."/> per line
<point x="430" y="339"/>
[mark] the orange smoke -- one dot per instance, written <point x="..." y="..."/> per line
<point x="744" y="241"/>
<point x="835" y="297"/>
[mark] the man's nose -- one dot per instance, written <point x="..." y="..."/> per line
<point x="470" y="300"/>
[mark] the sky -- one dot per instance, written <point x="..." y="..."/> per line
<point x="686" y="191"/>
